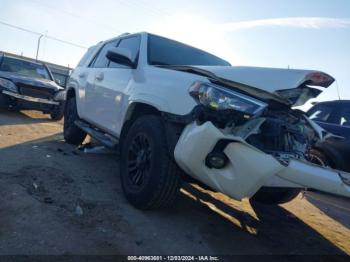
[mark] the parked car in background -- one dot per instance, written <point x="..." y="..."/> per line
<point x="179" y="113"/>
<point x="29" y="85"/>
<point x="334" y="117"/>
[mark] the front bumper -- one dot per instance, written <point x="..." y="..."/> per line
<point x="30" y="99"/>
<point x="248" y="168"/>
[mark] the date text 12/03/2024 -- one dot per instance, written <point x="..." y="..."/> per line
<point x="173" y="258"/>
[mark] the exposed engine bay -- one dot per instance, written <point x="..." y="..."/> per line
<point x="284" y="135"/>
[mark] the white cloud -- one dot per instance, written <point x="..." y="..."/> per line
<point x="297" y="22"/>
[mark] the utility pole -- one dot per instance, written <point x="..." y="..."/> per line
<point x="38" y="47"/>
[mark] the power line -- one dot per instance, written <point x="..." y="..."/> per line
<point x="20" y="28"/>
<point x="338" y="91"/>
<point x="92" y="21"/>
<point x="39" y="34"/>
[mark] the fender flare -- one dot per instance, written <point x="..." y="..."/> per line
<point x="155" y="101"/>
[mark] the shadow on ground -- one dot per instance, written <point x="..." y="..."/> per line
<point x="21" y="118"/>
<point x="336" y="207"/>
<point x="57" y="200"/>
<point x="274" y="227"/>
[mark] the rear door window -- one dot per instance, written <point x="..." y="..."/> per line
<point x="321" y="113"/>
<point x="344" y="117"/>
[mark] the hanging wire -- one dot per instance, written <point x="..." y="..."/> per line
<point x="338" y="91"/>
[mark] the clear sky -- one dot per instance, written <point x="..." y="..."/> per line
<point x="306" y="34"/>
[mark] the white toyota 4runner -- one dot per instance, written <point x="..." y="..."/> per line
<point x="177" y="113"/>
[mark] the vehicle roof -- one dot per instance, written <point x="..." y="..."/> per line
<point x="22" y="59"/>
<point x="122" y="35"/>
<point x="334" y="102"/>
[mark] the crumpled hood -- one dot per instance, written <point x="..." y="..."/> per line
<point x="288" y="86"/>
<point x="37" y="82"/>
<point x="270" y="79"/>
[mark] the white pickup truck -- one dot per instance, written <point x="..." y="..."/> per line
<point x="177" y="113"/>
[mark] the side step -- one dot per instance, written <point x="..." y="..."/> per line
<point x="104" y="138"/>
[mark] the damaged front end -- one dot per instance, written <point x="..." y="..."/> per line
<point x="237" y="144"/>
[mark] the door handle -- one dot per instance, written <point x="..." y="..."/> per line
<point x="99" y="76"/>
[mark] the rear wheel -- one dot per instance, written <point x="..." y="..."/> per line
<point x="275" y="195"/>
<point x="149" y="175"/>
<point x="72" y="134"/>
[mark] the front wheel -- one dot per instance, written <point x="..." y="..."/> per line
<point x="275" y="195"/>
<point x="58" y="113"/>
<point x="149" y="175"/>
<point x="72" y="134"/>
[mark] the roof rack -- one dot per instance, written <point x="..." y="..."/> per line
<point x="124" y="34"/>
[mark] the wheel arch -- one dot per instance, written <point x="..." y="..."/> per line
<point x="138" y="109"/>
<point x="333" y="156"/>
<point x="70" y="93"/>
<point x="134" y="111"/>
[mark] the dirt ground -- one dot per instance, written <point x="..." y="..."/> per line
<point x="57" y="200"/>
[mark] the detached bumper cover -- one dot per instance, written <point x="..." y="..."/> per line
<point x="30" y="99"/>
<point x="248" y="168"/>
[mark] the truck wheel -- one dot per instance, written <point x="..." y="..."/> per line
<point x="149" y="175"/>
<point x="3" y="101"/>
<point x="275" y="195"/>
<point x="72" y="134"/>
<point x="57" y="113"/>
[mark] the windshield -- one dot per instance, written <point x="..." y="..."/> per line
<point x="163" y="51"/>
<point x="26" y="68"/>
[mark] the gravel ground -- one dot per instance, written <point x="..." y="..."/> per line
<point x="57" y="200"/>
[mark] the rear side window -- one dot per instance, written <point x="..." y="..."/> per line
<point x="321" y="113"/>
<point x="83" y="61"/>
<point x="133" y="45"/>
<point x="101" y="60"/>
<point x="344" y="117"/>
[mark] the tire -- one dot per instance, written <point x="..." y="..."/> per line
<point x="72" y="134"/>
<point x="5" y="102"/>
<point x="275" y="196"/>
<point x="317" y="157"/>
<point x="149" y="175"/>
<point x="58" y="113"/>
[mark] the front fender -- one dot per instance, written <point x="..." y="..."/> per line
<point x="157" y="102"/>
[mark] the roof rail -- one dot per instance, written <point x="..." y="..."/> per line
<point x="124" y="34"/>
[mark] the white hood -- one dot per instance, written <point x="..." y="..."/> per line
<point x="289" y="86"/>
<point x="270" y="79"/>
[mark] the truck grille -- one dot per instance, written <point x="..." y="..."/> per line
<point x="33" y="91"/>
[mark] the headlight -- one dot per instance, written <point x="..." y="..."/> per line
<point x="60" y="96"/>
<point x="8" y="85"/>
<point x="220" y="98"/>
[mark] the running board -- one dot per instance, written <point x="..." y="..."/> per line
<point x="104" y="138"/>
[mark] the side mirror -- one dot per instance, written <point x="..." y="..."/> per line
<point x="120" y="56"/>
<point x="58" y="82"/>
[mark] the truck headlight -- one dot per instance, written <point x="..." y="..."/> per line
<point x="8" y="85"/>
<point x="220" y="98"/>
<point x="60" y="96"/>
